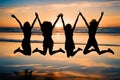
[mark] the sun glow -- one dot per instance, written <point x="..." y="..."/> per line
<point x="58" y="25"/>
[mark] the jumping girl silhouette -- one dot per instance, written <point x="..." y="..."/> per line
<point x="26" y="28"/>
<point x="92" y="28"/>
<point x="69" y="43"/>
<point x="47" y="28"/>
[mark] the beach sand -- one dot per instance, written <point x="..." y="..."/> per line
<point x="58" y="66"/>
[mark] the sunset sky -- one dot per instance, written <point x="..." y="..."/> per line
<point x="49" y="9"/>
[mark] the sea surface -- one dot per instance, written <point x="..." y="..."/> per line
<point x="58" y="67"/>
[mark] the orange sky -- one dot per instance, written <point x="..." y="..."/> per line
<point x="49" y="12"/>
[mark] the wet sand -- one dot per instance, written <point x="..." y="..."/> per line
<point x="58" y="66"/>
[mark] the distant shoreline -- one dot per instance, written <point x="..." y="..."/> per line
<point x="59" y="30"/>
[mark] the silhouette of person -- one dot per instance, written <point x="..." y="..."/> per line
<point x="92" y="28"/>
<point x="26" y="74"/>
<point x="69" y="43"/>
<point x="47" y="28"/>
<point x="26" y="28"/>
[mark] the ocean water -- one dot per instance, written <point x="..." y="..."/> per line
<point x="59" y="30"/>
<point x="58" y="67"/>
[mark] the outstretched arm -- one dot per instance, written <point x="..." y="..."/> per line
<point x="33" y="22"/>
<point x="100" y="17"/>
<point x="17" y="21"/>
<point x="62" y="20"/>
<point x="56" y="20"/>
<point x="38" y="19"/>
<point x="75" y="22"/>
<point x="84" y="19"/>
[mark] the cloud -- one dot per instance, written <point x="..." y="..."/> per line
<point x="63" y="4"/>
<point x="58" y="6"/>
<point x="49" y="10"/>
<point x="87" y="4"/>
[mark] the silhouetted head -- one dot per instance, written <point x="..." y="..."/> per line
<point x="47" y="25"/>
<point x="93" y="22"/>
<point x="26" y="25"/>
<point x="47" y="29"/>
<point x="68" y="27"/>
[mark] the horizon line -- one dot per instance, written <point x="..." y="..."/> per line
<point x="61" y="27"/>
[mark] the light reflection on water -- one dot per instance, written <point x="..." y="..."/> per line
<point x="91" y="65"/>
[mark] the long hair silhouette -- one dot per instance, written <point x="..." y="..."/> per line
<point x="69" y="43"/>
<point x="47" y="28"/>
<point x="26" y="28"/>
<point x="92" y="28"/>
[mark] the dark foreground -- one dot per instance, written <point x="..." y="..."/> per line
<point x="30" y="75"/>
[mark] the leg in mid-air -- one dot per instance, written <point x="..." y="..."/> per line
<point x="18" y="50"/>
<point x="26" y="47"/>
<point x="88" y="45"/>
<point x="95" y="45"/>
<point x="69" y="47"/>
<point x="69" y="52"/>
<point x="74" y="52"/>
<point x="48" y="43"/>
<point x="40" y="51"/>
<point x="44" y="51"/>
<point x="51" y="52"/>
<point x="105" y="51"/>
<point x="26" y="50"/>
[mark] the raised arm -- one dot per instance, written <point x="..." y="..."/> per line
<point x="56" y="20"/>
<point x="38" y="19"/>
<point x="84" y="19"/>
<point x="33" y="22"/>
<point x="75" y="22"/>
<point x="62" y="20"/>
<point x="100" y="17"/>
<point x="17" y="21"/>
